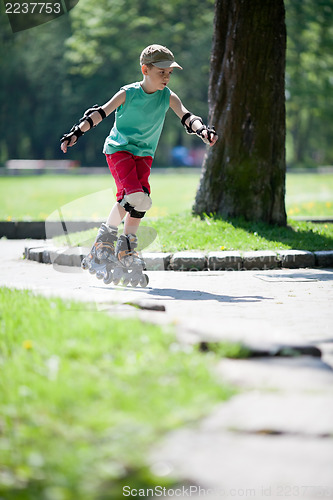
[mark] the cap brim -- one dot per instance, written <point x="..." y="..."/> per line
<point x="167" y="64"/>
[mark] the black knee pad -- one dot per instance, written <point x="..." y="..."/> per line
<point x="127" y="206"/>
<point x="131" y="210"/>
<point x="137" y="215"/>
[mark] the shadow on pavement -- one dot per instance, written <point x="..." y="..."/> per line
<point x="323" y="276"/>
<point x="177" y="294"/>
<point x="173" y="293"/>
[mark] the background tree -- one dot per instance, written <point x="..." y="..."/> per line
<point x="35" y="89"/>
<point x="309" y="82"/>
<point x="244" y="174"/>
<point x="51" y="73"/>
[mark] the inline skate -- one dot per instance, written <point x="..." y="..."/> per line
<point x="130" y="265"/>
<point x="102" y="259"/>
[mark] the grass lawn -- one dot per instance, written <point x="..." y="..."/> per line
<point x="210" y="234"/>
<point x="36" y="197"/>
<point x="185" y="232"/>
<point x="92" y="196"/>
<point x="83" y="396"/>
<point x="173" y="193"/>
<point x="309" y="195"/>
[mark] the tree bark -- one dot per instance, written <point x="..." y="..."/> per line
<point x="244" y="173"/>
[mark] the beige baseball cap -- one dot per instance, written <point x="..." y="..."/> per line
<point x="159" y="56"/>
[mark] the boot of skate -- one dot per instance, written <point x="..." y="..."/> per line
<point x="131" y="265"/>
<point x="125" y="251"/>
<point x="102" y="254"/>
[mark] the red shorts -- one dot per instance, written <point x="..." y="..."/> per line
<point x="130" y="172"/>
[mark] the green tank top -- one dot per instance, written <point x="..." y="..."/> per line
<point x="138" y="122"/>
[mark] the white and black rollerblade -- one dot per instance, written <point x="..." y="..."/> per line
<point x="130" y="265"/>
<point x="102" y="259"/>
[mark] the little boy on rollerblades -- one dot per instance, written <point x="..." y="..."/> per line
<point x="140" y="112"/>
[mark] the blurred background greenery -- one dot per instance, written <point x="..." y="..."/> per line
<point x="52" y="73"/>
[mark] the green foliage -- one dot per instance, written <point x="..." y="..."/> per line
<point x="50" y="74"/>
<point x="32" y="87"/>
<point x="84" y="395"/>
<point x="309" y="81"/>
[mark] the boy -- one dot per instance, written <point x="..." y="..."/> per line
<point x="129" y="149"/>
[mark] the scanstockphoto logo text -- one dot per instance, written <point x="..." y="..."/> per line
<point x="186" y="491"/>
<point x="26" y="14"/>
<point x="263" y="491"/>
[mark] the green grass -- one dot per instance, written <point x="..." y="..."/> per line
<point x="84" y="396"/>
<point x="186" y="232"/>
<point x="173" y="194"/>
<point x="92" y="196"/>
<point x="309" y="195"/>
<point x="36" y="197"/>
<point x="224" y="349"/>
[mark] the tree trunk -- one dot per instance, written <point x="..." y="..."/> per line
<point x="244" y="173"/>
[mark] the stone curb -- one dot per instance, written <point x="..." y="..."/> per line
<point x="196" y="261"/>
<point x="188" y="261"/>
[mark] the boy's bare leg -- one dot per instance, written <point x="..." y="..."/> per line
<point x="131" y="224"/>
<point x="116" y="215"/>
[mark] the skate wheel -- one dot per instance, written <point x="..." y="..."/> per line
<point x="134" y="283"/>
<point x="108" y="278"/>
<point x="126" y="281"/>
<point x="92" y="270"/>
<point x="84" y="265"/>
<point x="99" y="275"/>
<point x="117" y="274"/>
<point x="144" y="281"/>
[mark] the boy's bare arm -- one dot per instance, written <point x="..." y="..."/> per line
<point x="94" y="118"/>
<point x="178" y="107"/>
<point x="117" y="100"/>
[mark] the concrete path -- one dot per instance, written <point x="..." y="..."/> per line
<point x="275" y="438"/>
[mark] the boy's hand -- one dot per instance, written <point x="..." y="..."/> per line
<point x="194" y="125"/>
<point x="68" y="144"/>
<point x="209" y="136"/>
<point x="68" y="140"/>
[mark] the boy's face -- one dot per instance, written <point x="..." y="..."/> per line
<point x="156" y="78"/>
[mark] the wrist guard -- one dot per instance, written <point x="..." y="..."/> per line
<point x="74" y="131"/>
<point x="192" y="118"/>
<point x="199" y="132"/>
<point x="86" y="115"/>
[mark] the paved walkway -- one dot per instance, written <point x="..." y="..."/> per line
<point x="275" y="438"/>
